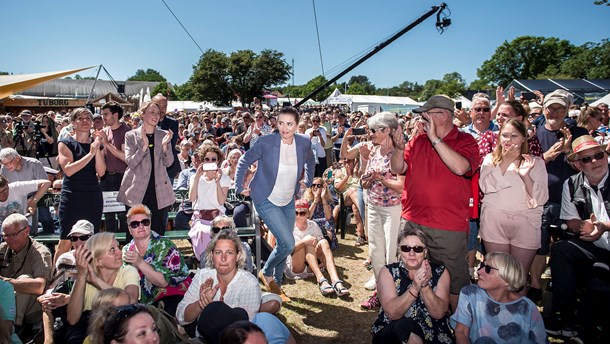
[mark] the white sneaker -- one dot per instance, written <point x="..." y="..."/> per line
<point x="371" y="284"/>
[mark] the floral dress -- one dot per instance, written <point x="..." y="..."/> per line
<point x="435" y="330"/>
<point x="327" y="226"/>
<point x="164" y="257"/>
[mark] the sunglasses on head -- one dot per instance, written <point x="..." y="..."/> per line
<point x="482" y="109"/>
<point x="416" y="249"/>
<point x="301" y="213"/>
<point x="81" y="238"/>
<point x="217" y="230"/>
<point x="588" y="159"/>
<point x="486" y="267"/>
<point x="136" y="224"/>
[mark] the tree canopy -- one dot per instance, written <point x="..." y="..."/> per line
<point x="147" y="75"/>
<point x="242" y="75"/>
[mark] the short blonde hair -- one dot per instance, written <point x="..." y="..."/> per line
<point x="224" y="235"/>
<point x="98" y="244"/>
<point x="511" y="271"/>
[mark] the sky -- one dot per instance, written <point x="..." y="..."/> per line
<point x="128" y="35"/>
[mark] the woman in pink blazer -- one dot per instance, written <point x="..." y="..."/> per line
<point x="148" y="154"/>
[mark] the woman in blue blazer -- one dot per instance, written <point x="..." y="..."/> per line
<point x="285" y="160"/>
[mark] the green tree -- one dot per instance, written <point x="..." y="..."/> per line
<point x="602" y="2"/>
<point x="592" y="61"/>
<point x="524" y="57"/>
<point x="166" y="89"/>
<point x="360" y="84"/>
<point x="147" y="75"/>
<point x="78" y="77"/>
<point x="405" y="89"/>
<point x="480" y="85"/>
<point x="452" y="85"/>
<point x="3" y="73"/>
<point x="244" y="75"/>
<point x="431" y="87"/>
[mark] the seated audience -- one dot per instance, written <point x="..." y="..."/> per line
<point x="100" y="266"/>
<point x="131" y="324"/>
<point x="321" y="209"/>
<point x="26" y="264"/>
<point x="492" y="311"/>
<point x="414" y="296"/>
<point x="347" y="184"/>
<point x="163" y="272"/>
<point x="7" y="314"/>
<point x="310" y="248"/>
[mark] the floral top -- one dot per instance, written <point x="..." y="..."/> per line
<point x="328" y="226"/>
<point x="435" y="330"/>
<point x="488" y="140"/>
<point x="164" y="257"/>
<point x="489" y="321"/>
<point x="378" y="194"/>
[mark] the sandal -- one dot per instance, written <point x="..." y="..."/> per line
<point x="340" y="291"/>
<point x="329" y="289"/>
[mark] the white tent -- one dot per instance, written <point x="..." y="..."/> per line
<point x="190" y="106"/>
<point x="372" y="103"/>
<point x="605" y="99"/>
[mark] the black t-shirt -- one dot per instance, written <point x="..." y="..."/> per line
<point x="558" y="170"/>
<point x="150" y="189"/>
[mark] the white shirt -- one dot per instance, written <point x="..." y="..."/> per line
<point x="283" y="190"/>
<point x="243" y="291"/>
<point x="569" y="212"/>
<point x="315" y="142"/>
<point x="17" y="201"/>
<point x="207" y="193"/>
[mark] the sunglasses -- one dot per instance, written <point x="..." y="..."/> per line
<point x="301" y="213"/>
<point x="217" y="230"/>
<point x="315" y="121"/>
<point x="416" y="249"/>
<point x="136" y="224"/>
<point x="210" y="159"/>
<point x="56" y="189"/>
<point x="487" y="267"/>
<point x="316" y="185"/>
<point x="588" y="159"/>
<point x="81" y="238"/>
<point x="376" y="130"/>
<point x="480" y="109"/>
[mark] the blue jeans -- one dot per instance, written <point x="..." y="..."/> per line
<point x="280" y="221"/>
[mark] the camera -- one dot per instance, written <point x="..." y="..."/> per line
<point x="359" y="131"/>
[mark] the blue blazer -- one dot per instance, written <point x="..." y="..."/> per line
<point x="267" y="152"/>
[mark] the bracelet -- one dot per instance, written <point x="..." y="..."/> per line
<point x="415" y="296"/>
<point x="439" y="140"/>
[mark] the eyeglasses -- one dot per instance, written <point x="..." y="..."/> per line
<point x="487" y="267"/>
<point x="372" y="130"/>
<point x="416" y="249"/>
<point x="136" y="224"/>
<point x="480" y="109"/>
<point x="12" y="235"/>
<point x="8" y="162"/>
<point x="316" y="185"/>
<point x="81" y="238"/>
<point x="315" y="121"/>
<point x="588" y="159"/>
<point x="301" y="213"/>
<point x="210" y="159"/>
<point x="217" y="230"/>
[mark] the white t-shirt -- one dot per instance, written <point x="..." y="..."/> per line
<point x="285" y="183"/>
<point x="207" y="195"/>
<point x="17" y="201"/>
<point x="315" y="142"/>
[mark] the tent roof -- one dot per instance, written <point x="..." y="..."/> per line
<point x="81" y="88"/>
<point x="370" y="99"/>
<point x="605" y="99"/>
<point x="108" y="97"/>
<point x="11" y="84"/>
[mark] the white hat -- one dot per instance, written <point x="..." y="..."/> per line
<point x="82" y="227"/>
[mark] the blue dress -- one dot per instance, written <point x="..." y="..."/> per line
<point x="81" y="194"/>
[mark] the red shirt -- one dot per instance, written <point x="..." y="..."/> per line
<point x="434" y="196"/>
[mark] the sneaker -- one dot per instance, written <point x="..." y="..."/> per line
<point x="371" y="284"/>
<point x="360" y="241"/>
<point x="371" y="303"/>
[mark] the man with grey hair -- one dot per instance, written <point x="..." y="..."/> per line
<point x="21" y="168"/>
<point x="437" y="193"/>
<point x="603" y="109"/>
<point x="26" y="264"/>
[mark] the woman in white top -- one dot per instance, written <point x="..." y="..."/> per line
<point x="208" y="193"/>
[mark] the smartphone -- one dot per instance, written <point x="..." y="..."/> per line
<point x="209" y="167"/>
<point x="458" y="105"/>
<point x="528" y="96"/>
<point x="359" y="131"/>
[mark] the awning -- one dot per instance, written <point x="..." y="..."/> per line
<point x="11" y="84"/>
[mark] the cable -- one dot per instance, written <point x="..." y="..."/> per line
<point x="315" y="16"/>
<point x="185" y="30"/>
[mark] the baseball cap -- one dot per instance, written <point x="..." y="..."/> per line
<point x="97" y="116"/>
<point x="439" y="101"/>
<point x="561" y="97"/>
<point x="81" y="227"/>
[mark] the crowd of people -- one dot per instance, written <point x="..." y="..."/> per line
<point x="514" y="181"/>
